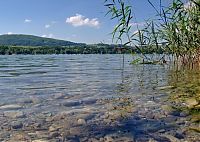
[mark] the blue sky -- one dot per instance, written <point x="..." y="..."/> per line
<point x="73" y="20"/>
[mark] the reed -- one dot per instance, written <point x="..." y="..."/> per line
<point x="175" y="29"/>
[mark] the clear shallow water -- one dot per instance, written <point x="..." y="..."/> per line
<point x="47" y="85"/>
<point x="93" y="76"/>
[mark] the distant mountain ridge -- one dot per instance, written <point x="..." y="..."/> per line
<point x="31" y="40"/>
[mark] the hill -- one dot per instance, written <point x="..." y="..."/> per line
<point x="30" y="40"/>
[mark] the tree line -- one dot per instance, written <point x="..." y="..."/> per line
<point x="86" y="49"/>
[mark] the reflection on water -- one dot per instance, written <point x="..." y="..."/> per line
<point x="187" y="81"/>
<point x="88" y="98"/>
<point x="185" y="94"/>
<point x="46" y="75"/>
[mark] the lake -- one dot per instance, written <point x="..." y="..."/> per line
<point x="92" y="98"/>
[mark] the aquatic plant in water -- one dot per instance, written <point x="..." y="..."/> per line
<point x="176" y="31"/>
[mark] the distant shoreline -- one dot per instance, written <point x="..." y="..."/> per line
<point x="87" y="49"/>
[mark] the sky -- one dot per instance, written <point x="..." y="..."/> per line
<point x="82" y="21"/>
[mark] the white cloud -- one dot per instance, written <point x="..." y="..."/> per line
<point x="50" y="25"/>
<point x="44" y="35"/>
<point x="9" y="33"/>
<point x="48" y="36"/>
<point x="137" y="24"/>
<point x="80" y="20"/>
<point x="27" y="21"/>
<point x="47" y="26"/>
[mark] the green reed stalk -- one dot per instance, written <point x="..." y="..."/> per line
<point x="177" y="26"/>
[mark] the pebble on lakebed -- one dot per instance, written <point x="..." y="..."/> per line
<point x="54" y="128"/>
<point x="165" y="87"/>
<point x="11" y="107"/>
<point x="81" y="122"/>
<point x="191" y="102"/>
<point x="14" y="114"/>
<point x="59" y="96"/>
<point x="16" y="125"/>
<point x="39" y="141"/>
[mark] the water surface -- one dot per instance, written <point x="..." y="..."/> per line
<point x="118" y="98"/>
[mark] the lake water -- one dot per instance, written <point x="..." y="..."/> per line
<point x="87" y="98"/>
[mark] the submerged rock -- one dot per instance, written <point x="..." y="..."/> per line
<point x="81" y="122"/>
<point x="59" y="96"/>
<point x="16" y="125"/>
<point x="171" y="138"/>
<point x="11" y="107"/>
<point x="25" y="101"/>
<point x="195" y="118"/>
<point x="93" y="140"/>
<point x="168" y="110"/>
<point x="184" y="113"/>
<point x="42" y="134"/>
<point x="191" y="102"/>
<point x="78" y="131"/>
<point x="54" y="128"/>
<point x="54" y="134"/>
<point x="152" y="140"/>
<point x="196" y="129"/>
<point x="14" y="114"/>
<point x="89" y="101"/>
<point x="39" y="141"/>
<point x="165" y="87"/>
<point x="179" y="135"/>
<point x="197" y="106"/>
<point x="20" y="137"/>
<point x="58" y="117"/>
<point x="108" y="139"/>
<point x="71" y="103"/>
